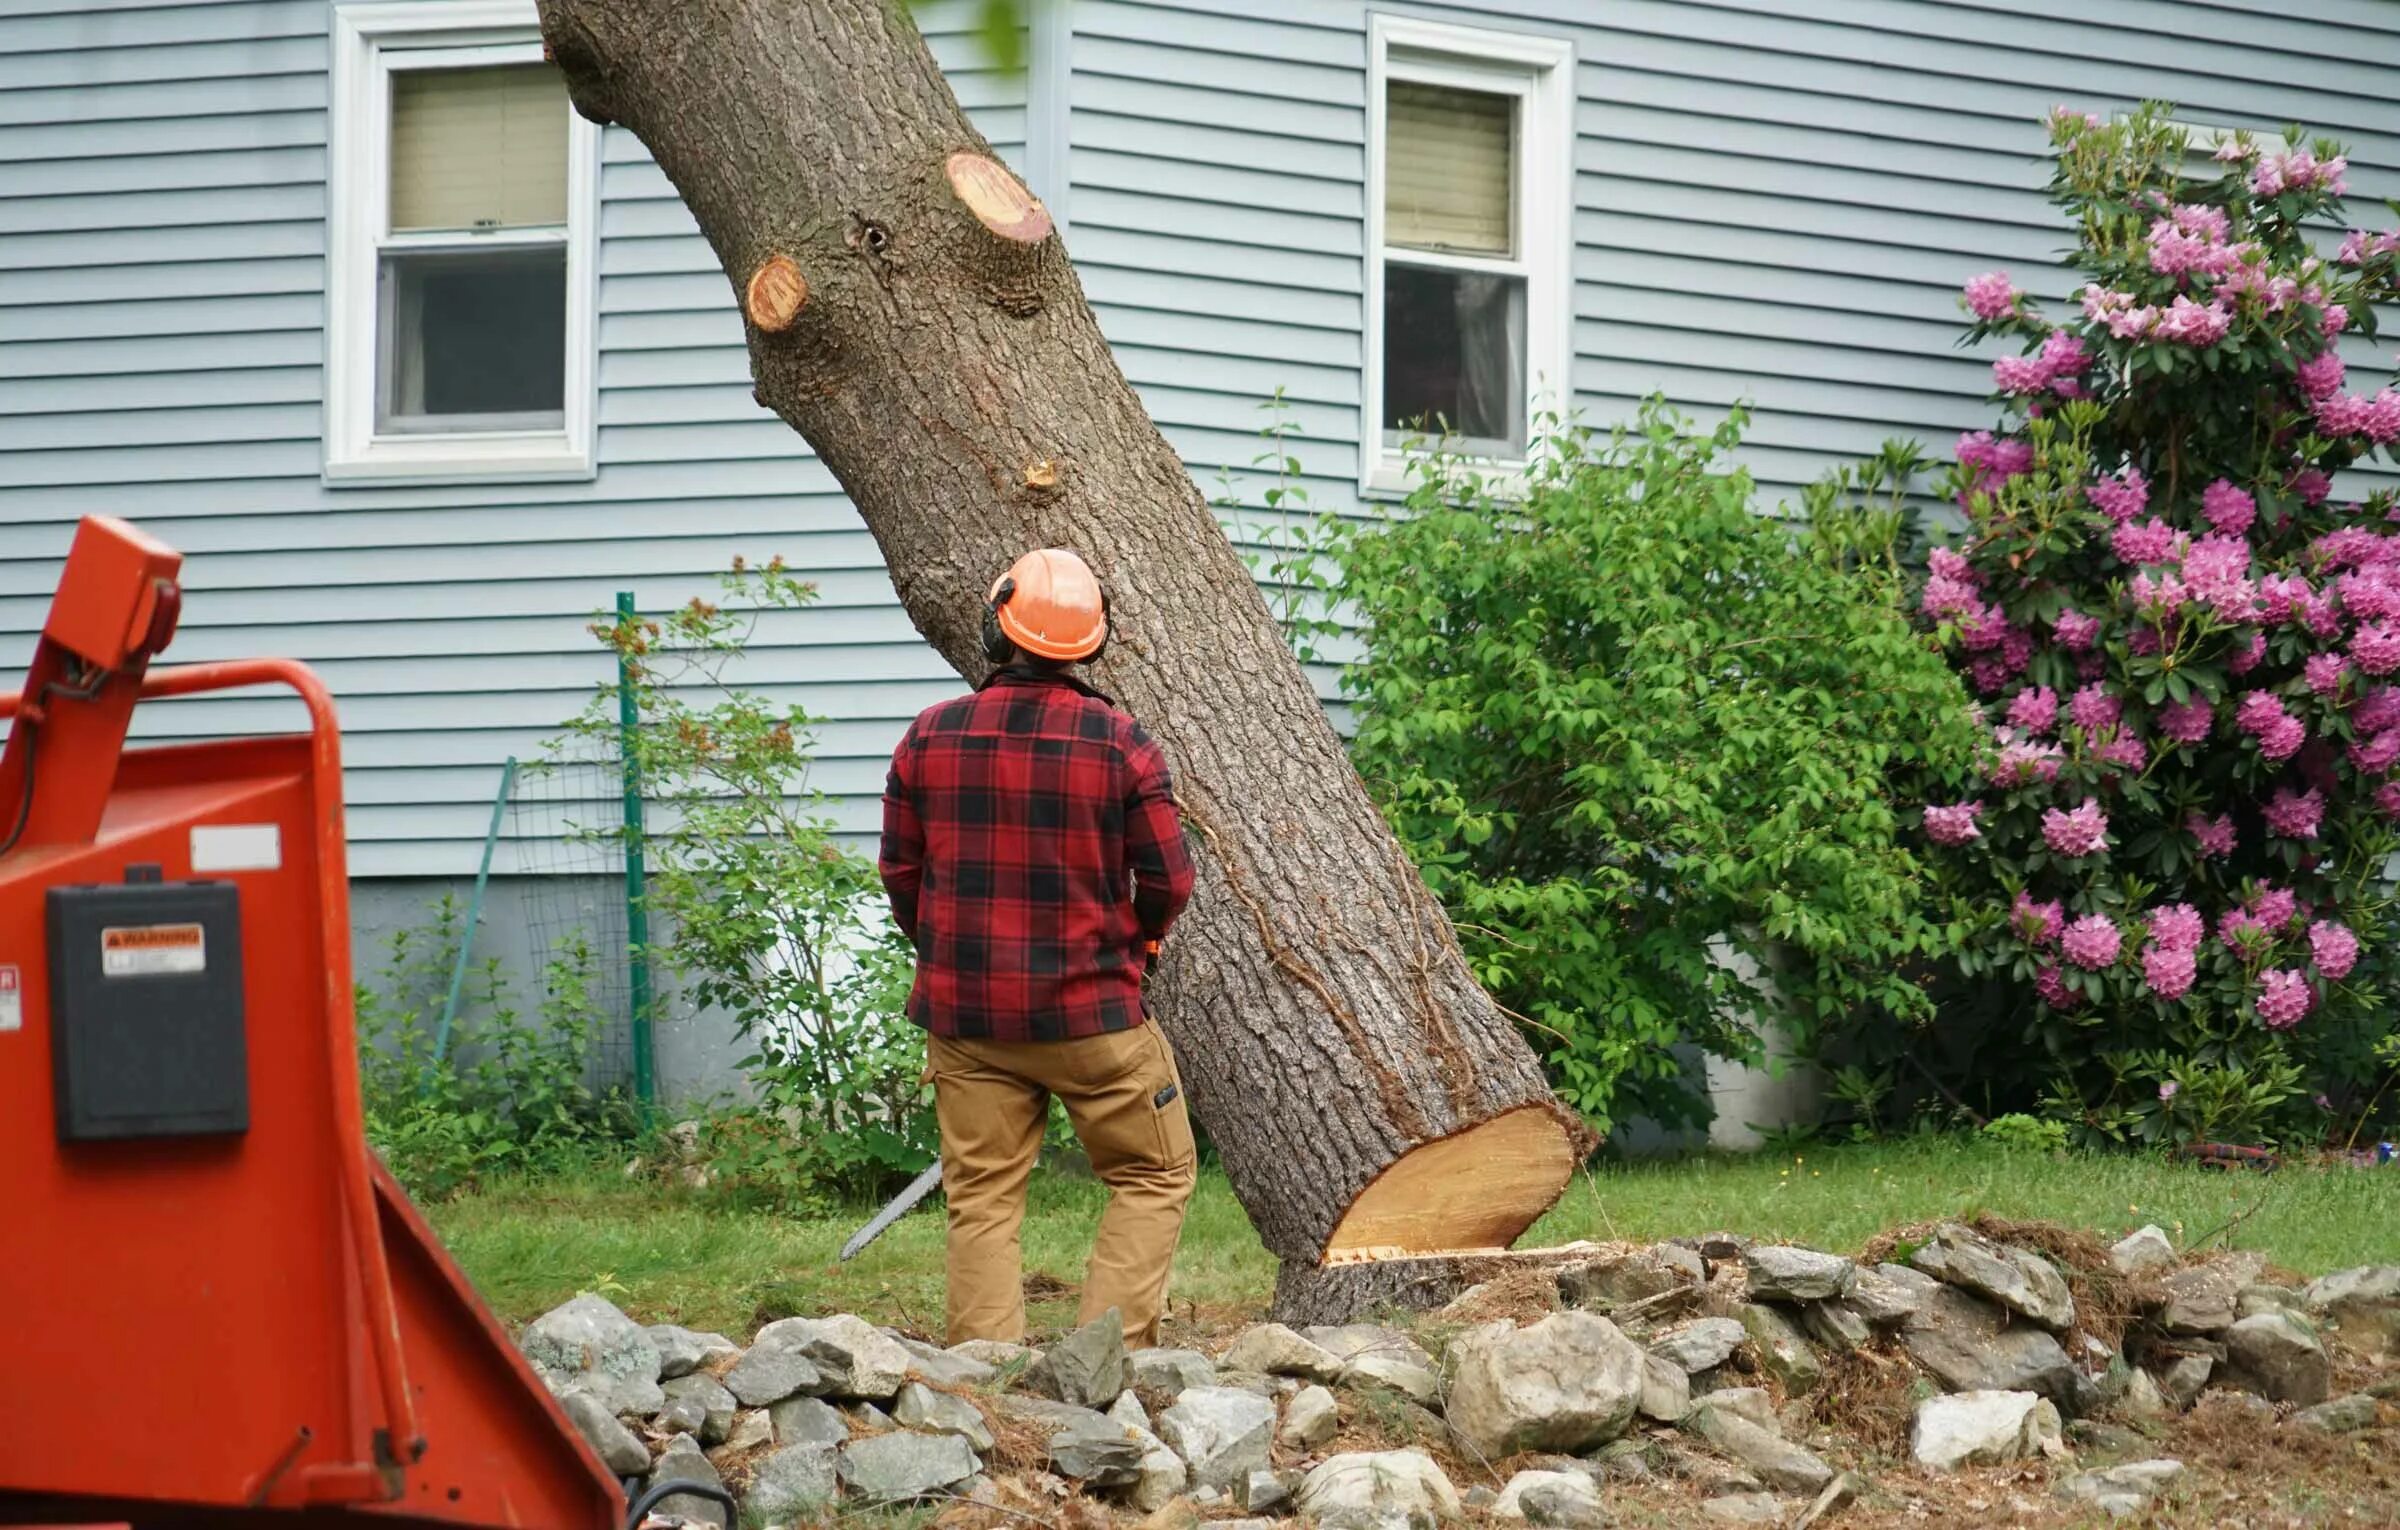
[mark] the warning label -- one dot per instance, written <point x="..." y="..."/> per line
<point x="12" y="999"/>
<point x="149" y="950"/>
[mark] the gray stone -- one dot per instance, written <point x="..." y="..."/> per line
<point x="1890" y="1294"/>
<point x="1751" y="1403"/>
<point x="1777" y="1462"/>
<point x="2253" y="1300"/>
<point x="2180" y="1382"/>
<point x="1779" y="1272"/>
<point x="1163" y="1476"/>
<point x="682" y="1461"/>
<point x="2024" y="1283"/>
<point x="1701" y="1345"/>
<point x="1222" y="1434"/>
<point x="1666" y="1391"/>
<point x="2143" y="1399"/>
<point x="588" y="1344"/>
<point x="2122" y="1491"/>
<point x="2245" y="1412"/>
<point x="753" y="1430"/>
<point x="1392" y="1373"/>
<point x="1375" y="1356"/>
<point x="1262" y="1492"/>
<point x="901" y="1467"/>
<point x="1837" y="1326"/>
<point x="1782" y="1349"/>
<point x="1373" y="1490"/>
<point x="1836" y="1496"/>
<point x="807" y="1421"/>
<point x="1983" y="1429"/>
<point x="2279" y="1356"/>
<point x="1256" y="1383"/>
<point x="681" y="1351"/>
<point x="716" y="1404"/>
<point x="2202" y="1299"/>
<point x="852" y="1356"/>
<point x="1274" y="1350"/>
<point x="615" y="1444"/>
<point x="1968" y="1346"/>
<point x="1309" y="1420"/>
<point x="2104" y="1438"/>
<point x="681" y="1415"/>
<point x="1098" y="1450"/>
<point x="921" y="1408"/>
<point x="1551" y="1498"/>
<point x="1623" y="1279"/>
<point x="1008" y="1359"/>
<point x="1746" y="1509"/>
<point x="2363" y="1306"/>
<point x="2137" y="1252"/>
<point x="1128" y="1410"/>
<point x="1568" y="1382"/>
<point x="942" y="1367"/>
<point x="796" y="1480"/>
<point x="2343" y="1415"/>
<point x="1087" y="1367"/>
<point x="774" y="1367"/>
<point x="1169" y="1371"/>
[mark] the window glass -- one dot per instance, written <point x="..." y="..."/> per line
<point x="1454" y="357"/>
<point x="479" y="148"/>
<point x="1449" y="172"/>
<point x="474" y="340"/>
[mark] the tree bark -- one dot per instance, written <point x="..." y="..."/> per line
<point x="911" y="313"/>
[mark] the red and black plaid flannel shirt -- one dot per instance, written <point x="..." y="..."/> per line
<point x="1030" y="848"/>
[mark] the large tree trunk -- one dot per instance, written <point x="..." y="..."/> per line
<point x="913" y="315"/>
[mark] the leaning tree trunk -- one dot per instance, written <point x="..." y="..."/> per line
<point x="911" y="313"/>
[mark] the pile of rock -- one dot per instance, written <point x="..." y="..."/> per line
<point x="1684" y="1359"/>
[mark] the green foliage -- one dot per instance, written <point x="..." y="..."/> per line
<point x="2026" y="1133"/>
<point x="507" y="1097"/>
<point x="761" y="913"/>
<point x="1636" y="736"/>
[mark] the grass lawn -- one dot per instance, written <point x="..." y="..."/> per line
<point x="672" y="1256"/>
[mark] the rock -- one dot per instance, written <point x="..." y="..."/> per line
<point x="1777" y="1462"/>
<point x="1623" y="1279"/>
<point x="1087" y="1367"/>
<point x="753" y="1430"/>
<point x="1128" y="1410"/>
<point x="1837" y="1326"/>
<point x="775" y="1367"/>
<point x="2103" y="1438"/>
<point x="1751" y="1403"/>
<point x="807" y="1421"/>
<point x="1309" y="1420"/>
<point x="682" y="1461"/>
<point x="1837" y="1495"/>
<point x="681" y="1351"/>
<point x="2121" y="1491"/>
<point x="1169" y="1371"/>
<point x="853" y="1357"/>
<point x="2343" y="1415"/>
<point x="1372" y="1355"/>
<point x="1417" y="1383"/>
<point x="1256" y="1383"/>
<point x="2201" y="1299"/>
<point x="2180" y="1383"/>
<point x="2250" y="1301"/>
<point x="717" y="1405"/>
<point x="615" y="1444"/>
<point x="1008" y="1359"/>
<point x="1379" y="1489"/>
<point x="1890" y="1294"/>
<point x="1786" y="1355"/>
<point x="2024" y="1283"/>
<point x="681" y="1415"/>
<point x="1222" y="1434"/>
<point x="1983" y="1429"/>
<point x="1745" y="1509"/>
<point x="1551" y="1498"/>
<point x="2278" y="1355"/>
<point x="2147" y="1249"/>
<point x="921" y="1408"/>
<point x="796" y="1480"/>
<point x="942" y="1367"/>
<point x="2363" y="1306"/>
<point x="1701" y="1345"/>
<point x="1098" y="1450"/>
<point x="1969" y="1346"/>
<point x="1274" y="1350"/>
<point x="1262" y="1492"/>
<point x="2143" y="1399"/>
<point x="1160" y="1476"/>
<point x="1666" y="1391"/>
<point x="1569" y="1382"/>
<point x="2239" y="1413"/>
<point x="901" y="1467"/>
<point x="1782" y="1273"/>
<point x="588" y="1344"/>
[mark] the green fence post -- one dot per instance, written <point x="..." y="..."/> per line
<point x="637" y="902"/>
<point x="466" y="940"/>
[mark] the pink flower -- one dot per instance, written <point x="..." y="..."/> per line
<point x="2169" y="970"/>
<point x="1952" y="825"/>
<point x="2076" y="632"/>
<point x="2126" y="752"/>
<point x="2228" y="508"/>
<point x="2324" y="672"/>
<point x="2035" y="709"/>
<point x="2359" y="246"/>
<point x="2198" y="325"/>
<point x="2177" y="927"/>
<point x="2375" y="648"/>
<point x="2275" y="906"/>
<point x="2377" y="752"/>
<point x="1949" y="599"/>
<point x="2083" y="831"/>
<point x="2091" y="942"/>
<point x="2217" y="571"/>
<point x="2381" y="424"/>
<point x="2279" y="596"/>
<point x="2186" y="722"/>
<point x="2334" y="948"/>
<point x="2169" y="1090"/>
<point x="2312" y="485"/>
<point x="2022" y="762"/>
<point x="2377" y="710"/>
<point x="2321" y="376"/>
<point x="2051" y="985"/>
<point x="2282" y="739"/>
<point x="2369" y="593"/>
<point x="1992" y="295"/>
<point x="2150" y="541"/>
<point x="2213" y="835"/>
<point x="2258" y="711"/>
<point x="2295" y="815"/>
<point x="2093" y="708"/>
<point x="2120" y="498"/>
<point x="2036" y="924"/>
<point x="1949" y="563"/>
<point x="2283" y="997"/>
<point x="2246" y="658"/>
<point x="2064" y="353"/>
<point x="2387" y="799"/>
<point x="2021" y="374"/>
<point x="2157" y="597"/>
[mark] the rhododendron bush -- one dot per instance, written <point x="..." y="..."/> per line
<point x="2181" y="614"/>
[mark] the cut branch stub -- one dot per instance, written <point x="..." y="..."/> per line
<point x="998" y="199"/>
<point x="776" y="294"/>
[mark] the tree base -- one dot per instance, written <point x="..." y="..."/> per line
<point x="1359" y="1287"/>
<point x="1473" y="1190"/>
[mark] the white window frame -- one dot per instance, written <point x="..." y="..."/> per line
<point x="1540" y="72"/>
<point x="371" y="40"/>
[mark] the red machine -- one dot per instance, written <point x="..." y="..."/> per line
<point x="194" y="1235"/>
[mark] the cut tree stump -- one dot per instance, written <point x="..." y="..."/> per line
<point x="1362" y="1090"/>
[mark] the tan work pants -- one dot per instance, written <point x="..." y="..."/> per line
<point x="993" y="1100"/>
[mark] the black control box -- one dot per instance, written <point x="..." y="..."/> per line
<point x="146" y="1029"/>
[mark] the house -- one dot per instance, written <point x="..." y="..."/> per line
<point x="419" y="368"/>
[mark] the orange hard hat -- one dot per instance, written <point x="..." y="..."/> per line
<point x="1050" y="605"/>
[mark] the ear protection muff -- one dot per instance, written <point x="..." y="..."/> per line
<point x="997" y="649"/>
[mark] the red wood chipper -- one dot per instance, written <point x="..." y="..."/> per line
<point x="201" y="1261"/>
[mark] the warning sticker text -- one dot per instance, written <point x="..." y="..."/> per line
<point x="148" y="950"/>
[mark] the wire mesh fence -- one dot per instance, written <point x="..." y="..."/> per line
<point x="563" y="833"/>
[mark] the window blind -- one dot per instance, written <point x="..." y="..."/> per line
<point x="479" y="148"/>
<point x="1448" y="169"/>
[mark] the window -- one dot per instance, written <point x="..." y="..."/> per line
<point x="461" y="249"/>
<point x="1470" y="206"/>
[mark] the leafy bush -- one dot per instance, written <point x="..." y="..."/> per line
<point x="1637" y="738"/>
<point x="761" y="912"/>
<point x="2175" y="868"/>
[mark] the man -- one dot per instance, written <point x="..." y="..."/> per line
<point x="1032" y="853"/>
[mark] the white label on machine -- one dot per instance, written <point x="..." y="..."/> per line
<point x="151" y="950"/>
<point x="12" y="999"/>
<point x="237" y="847"/>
